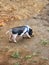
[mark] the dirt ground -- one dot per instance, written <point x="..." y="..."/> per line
<point x="38" y="46"/>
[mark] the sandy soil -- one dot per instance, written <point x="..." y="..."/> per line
<point x="37" y="46"/>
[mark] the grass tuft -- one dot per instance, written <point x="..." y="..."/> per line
<point x="44" y="42"/>
<point x="16" y="64"/>
<point x="28" y="56"/>
<point x="15" y="55"/>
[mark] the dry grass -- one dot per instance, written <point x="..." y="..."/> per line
<point x="11" y="10"/>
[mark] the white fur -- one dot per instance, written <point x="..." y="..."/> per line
<point x="14" y="36"/>
<point x="23" y="32"/>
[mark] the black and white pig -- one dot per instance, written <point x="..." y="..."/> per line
<point x="22" y="31"/>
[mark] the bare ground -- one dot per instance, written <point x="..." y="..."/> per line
<point x="37" y="46"/>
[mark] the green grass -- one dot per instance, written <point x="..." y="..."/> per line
<point x="31" y="55"/>
<point x="34" y="61"/>
<point x="15" y="55"/>
<point x="16" y="63"/>
<point x="44" y="42"/>
<point x="35" y="53"/>
<point x="44" y="58"/>
<point x="48" y="29"/>
<point x="28" y="57"/>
